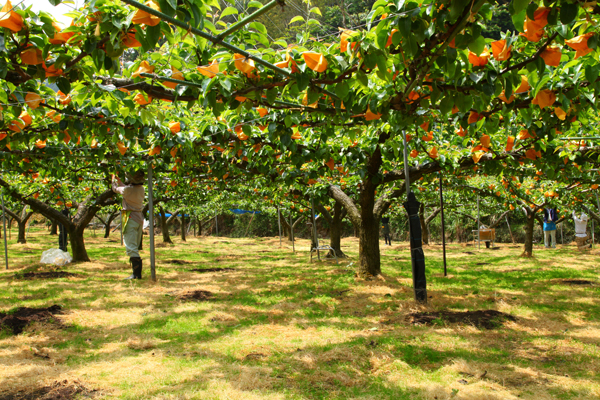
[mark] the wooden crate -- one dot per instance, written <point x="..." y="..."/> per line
<point x="487" y="234"/>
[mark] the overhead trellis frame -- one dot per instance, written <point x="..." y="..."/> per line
<point x="218" y="40"/>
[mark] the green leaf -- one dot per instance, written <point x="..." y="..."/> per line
<point x="296" y="19"/>
<point x="404" y="26"/>
<point x="478" y="45"/>
<point x="342" y="89"/>
<point x="446" y="104"/>
<point x="593" y="42"/>
<point x="516" y="6"/>
<point x="382" y="35"/>
<point x="591" y="72"/>
<point x="519" y="20"/>
<point x="229" y="11"/>
<point x="568" y="12"/>
<point x="272" y="95"/>
<point x="553" y="16"/>
<point x="152" y="35"/>
<point x="457" y="7"/>
<point x="412" y="48"/>
<point x="464" y="103"/>
<point x="531" y="9"/>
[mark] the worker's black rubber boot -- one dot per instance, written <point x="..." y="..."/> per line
<point x="136" y="266"/>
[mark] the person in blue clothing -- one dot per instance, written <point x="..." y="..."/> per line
<point x="550" y="218"/>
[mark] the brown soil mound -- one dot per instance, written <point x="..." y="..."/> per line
<point x="63" y="390"/>
<point x="576" y="282"/>
<point x="23" y="316"/>
<point x="198" y="295"/>
<point x="202" y="270"/>
<point x="487" y="319"/>
<point x="45" y="275"/>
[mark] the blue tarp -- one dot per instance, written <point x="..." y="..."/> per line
<point x="179" y="215"/>
<point x="238" y="211"/>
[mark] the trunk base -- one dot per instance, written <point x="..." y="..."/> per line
<point x="338" y="253"/>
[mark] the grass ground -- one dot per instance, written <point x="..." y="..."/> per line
<point x="279" y="327"/>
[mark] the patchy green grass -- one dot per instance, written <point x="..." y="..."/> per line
<point x="278" y="327"/>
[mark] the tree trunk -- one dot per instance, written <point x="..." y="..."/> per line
<point x="369" y="258"/>
<point x="183" y="227"/>
<point x="106" y="230"/>
<point x="108" y="223"/>
<point x="22" y="228"/>
<point x="78" y="250"/>
<point x="528" y="247"/>
<point x="368" y="248"/>
<point x="424" y="227"/>
<point x="335" y="232"/>
<point x="164" y="227"/>
<point x="54" y="228"/>
<point x="335" y="227"/>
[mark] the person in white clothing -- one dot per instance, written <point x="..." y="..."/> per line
<point x="581" y="235"/>
<point x="133" y="220"/>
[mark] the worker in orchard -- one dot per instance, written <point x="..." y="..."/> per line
<point x="133" y="220"/>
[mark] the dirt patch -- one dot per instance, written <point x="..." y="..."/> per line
<point x="468" y="252"/>
<point x="579" y="282"/>
<point x="226" y="258"/>
<point x="45" y="275"/>
<point x="178" y="262"/>
<point x="197" y="295"/>
<point x="487" y="319"/>
<point x="63" y="390"/>
<point x="482" y="263"/>
<point x="16" y="321"/>
<point x="203" y="270"/>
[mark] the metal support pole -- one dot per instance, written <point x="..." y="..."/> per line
<point x="478" y="224"/>
<point x="216" y="224"/>
<point x="4" y="224"/>
<point x="279" y="223"/>
<point x="151" y="221"/>
<point x="443" y="226"/>
<point x="292" y="231"/>
<point x="562" y="239"/>
<point x="121" y="227"/>
<point x="314" y="226"/>
<point x="592" y="233"/>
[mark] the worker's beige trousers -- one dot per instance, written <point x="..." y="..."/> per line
<point x="132" y="237"/>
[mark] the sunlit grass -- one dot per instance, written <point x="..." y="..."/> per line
<point x="278" y="327"/>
